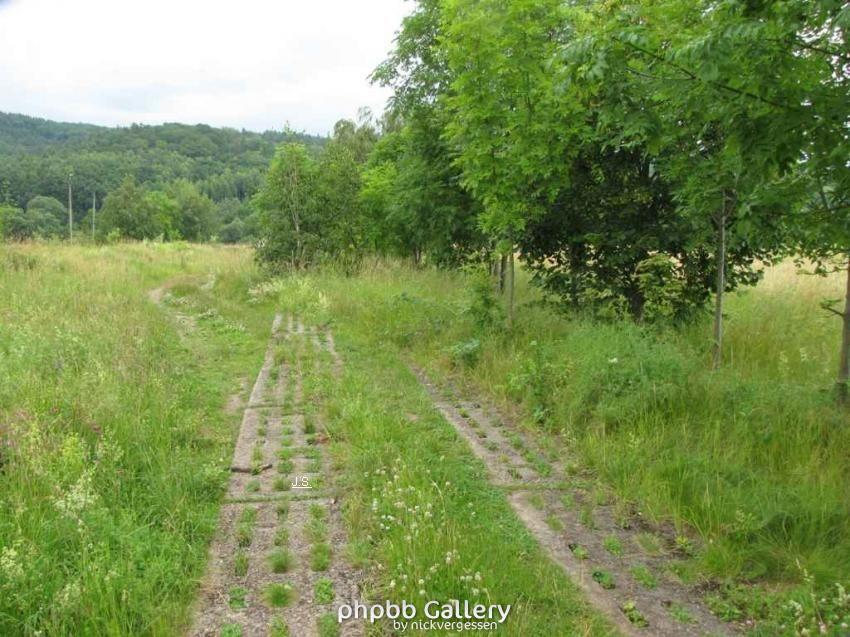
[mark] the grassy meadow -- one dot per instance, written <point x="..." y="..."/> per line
<point x="116" y="441"/>
<point x="747" y="465"/>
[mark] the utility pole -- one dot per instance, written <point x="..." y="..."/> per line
<point x="93" y="204"/>
<point x="70" y="209"/>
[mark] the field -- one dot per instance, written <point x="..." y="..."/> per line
<point x="125" y="370"/>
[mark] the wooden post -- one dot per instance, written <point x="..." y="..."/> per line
<point x="511" y="293"/>
<point x="844" y="357"/>
<point x="720" y="286"/>
<point x="503" y="262"/>
<point x="70" y="209"/>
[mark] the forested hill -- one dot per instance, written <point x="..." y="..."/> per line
<point x="36" y="156"/>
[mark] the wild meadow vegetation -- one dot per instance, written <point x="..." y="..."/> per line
<point x="116" y="444"/>
<point x="625" y="223"/>
<point x="113" y="441"/>
<point x="649" y="165"/>
<point x="746" y="465"/>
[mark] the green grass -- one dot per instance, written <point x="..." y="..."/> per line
<point x="115" y="444"/>
<point x="280" y="561"/>
<point x="252" y="486"/>
<point x="317" y="529"/>
<point x="238" y="597"/>
<point x="231" y="630"/>
<point x="555" y="523"/>
<point x="579" y="551"/>
<point x="649" y="543"/>
<point x="634" y="615"/>
<point x="644" y="576"/>
<point x="323" y="591"/>
<point x="320" y="556"/>
<point x="604" y="579"/>
<point x="443" y="531"/>
<point x="244" y="535"/>
<point x="240" y="564"/>
<point x="328" y="626"/>
<point x="613" y="545"/>
<point x="681" y="614"/>
<point x="278" y="595"/>
<point x="116" y="447"/>
<point x="281" y="536"/>
<point x="278" y="628"/>
<point x="749" y="460"/>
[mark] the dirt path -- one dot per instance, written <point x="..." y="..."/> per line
<point x="620" y="564"/>
<point x="276" y="560"/>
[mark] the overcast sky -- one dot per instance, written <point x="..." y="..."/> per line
<point x="254" y="64"/>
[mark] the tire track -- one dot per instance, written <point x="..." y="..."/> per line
<point x="278" y="542"/>
<point x="596" y="548"/>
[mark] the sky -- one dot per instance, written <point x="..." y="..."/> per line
<point x="254" y="64"/>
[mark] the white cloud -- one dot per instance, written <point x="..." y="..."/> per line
<point x="255" y="64"/>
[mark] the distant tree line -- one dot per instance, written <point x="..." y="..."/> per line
<point x="38" y="158"/>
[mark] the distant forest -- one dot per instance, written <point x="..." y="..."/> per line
<point x="226" y="165"/>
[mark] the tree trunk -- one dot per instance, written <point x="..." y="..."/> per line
<point x="503" y="262"/>
<point x="576" y="257"/>
<point x="296" y="223"/>
<point x="511" y="293"/>
<point x="636" y="302"/>
<point x="720" y="287"/>
<point x="844" y="358"/>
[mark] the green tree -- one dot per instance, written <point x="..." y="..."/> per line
<point x="44" y="217"/>
<point x="428" y="211"/>
<point x="9" y="218"/>
<point x="289" y="235"/>
<point x="165" y="213"/>
<point x="232" y="232"/>
<point x="196" y="211"/>
<point x="729" y="99"/>
<point x="822" y="231"/>
<point x="128" y="213"/>
<point x="504" y="111"/>
<point x="335" y="202"/>
<point x="358" y="137"/>
<point x="376" y="199"/>
<point x="47" y="217"/>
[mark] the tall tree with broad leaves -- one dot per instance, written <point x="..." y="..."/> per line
<point x="729" y="99"/>
<point x="428" y="211"/>
<point x="288" y="234"/>
<point x="509" y="128"/>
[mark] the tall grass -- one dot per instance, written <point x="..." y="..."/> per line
<point x="420" y="509"/>
<point x="113" y="440"/>
<point x="753" y="458"/>
<point x="114" y="445"/>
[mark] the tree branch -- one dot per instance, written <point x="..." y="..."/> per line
<point x="833" y="310"/>
<point x="719" y="85"/>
